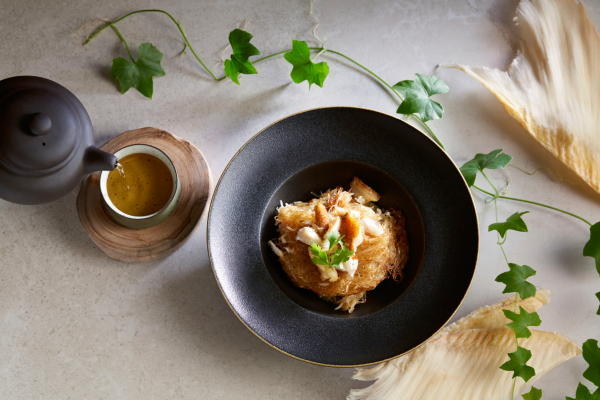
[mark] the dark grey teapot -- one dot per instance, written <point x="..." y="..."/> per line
<point x="46" y="141"/>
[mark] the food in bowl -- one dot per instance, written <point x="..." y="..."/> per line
<point x="340" y="244"/>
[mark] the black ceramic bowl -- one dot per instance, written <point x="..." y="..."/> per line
<point x="314" y="151"/>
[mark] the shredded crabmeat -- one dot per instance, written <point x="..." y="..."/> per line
<point x="377" y="237"/>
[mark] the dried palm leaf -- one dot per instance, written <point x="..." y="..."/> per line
<point x="464" y="365"/>
<point x="462" y="361"/>
<point x="492" y="317"/>
<point x="552" y="87"/>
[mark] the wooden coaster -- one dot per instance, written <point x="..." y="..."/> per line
<point x="138" y="245"/>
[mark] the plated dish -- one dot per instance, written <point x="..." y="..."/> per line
<point x="312" y="152"/>
<point x="340" y="245"/>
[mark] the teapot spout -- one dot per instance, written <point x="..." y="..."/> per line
<point x="98" y="160"/>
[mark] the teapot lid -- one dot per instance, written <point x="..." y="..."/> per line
<point x="41" y="125"/>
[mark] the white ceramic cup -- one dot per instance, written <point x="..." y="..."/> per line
<point x="145" y="221"/>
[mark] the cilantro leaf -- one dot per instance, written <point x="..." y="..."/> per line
<point x="592" y="247"/>
<point x="534" y="394"/>
<point x="492" y="160"/>
<point x="333" y="238"/>
<point x="325" y="257"/>
<point x="521" y="321"/>
<point x="320" y="256"/>
<point x="515" y="280"/>
<point x="518" y="364"/>
<point x="304" y="68"/>
<point x="591" y="354"/>
<point x="514" y="223"/>
<point x="139" y="74"/>
<point x="417" y="95"/>
<point x="583" y="393"/>
<point x="342" y="255"/>
<point x="242" y="50"/>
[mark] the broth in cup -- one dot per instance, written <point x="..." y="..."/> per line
<point x="141" y="186"/>
<point x="144" y="190"/>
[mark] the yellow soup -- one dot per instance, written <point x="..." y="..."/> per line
<point x="143" y="187"/>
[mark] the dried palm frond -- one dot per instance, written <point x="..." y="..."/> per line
<point x="552" y="87"/>
<point x="462" y="362"/>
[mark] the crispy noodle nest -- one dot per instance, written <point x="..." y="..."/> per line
<point x="379" y="257"/>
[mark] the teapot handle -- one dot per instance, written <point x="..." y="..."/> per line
<point x="98" y="160"/>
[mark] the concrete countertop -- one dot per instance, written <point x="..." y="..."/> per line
<point x="75" y="324"/>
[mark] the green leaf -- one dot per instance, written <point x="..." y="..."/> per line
<point x="515" y="280"/>
<point x="138" y="74"/>
<point x="333" y="238"/>
<point x="534" y="394"/>
<point x="304" y="69"/>
<point x="598" y="296"/>
<point x="492" y="160"/>
<point x="521" y="321"/>
<point x="592" y="247"/>
<point x="320" y="256"/>
<point x="517" y="364"/>
<point x="591" y="354"/>
<point x="513" y="223"/>
<point x="242" y="50"/>
<point x="583" y="393"/>
<point x="417" y="95"/>
<point x="342" y="255"/>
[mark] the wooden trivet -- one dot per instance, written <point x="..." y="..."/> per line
<point x="138" y="245"/>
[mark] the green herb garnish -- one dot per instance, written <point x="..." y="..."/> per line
<point x="329" y="257"/>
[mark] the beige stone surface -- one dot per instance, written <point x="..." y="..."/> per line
<point x="75" y="324"/>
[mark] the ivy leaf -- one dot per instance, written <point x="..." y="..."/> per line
<point x="514" y="223"/>
<point x="518" y="364"/>
<point x="492" y="160"/>
<point x="583" y="393"/>
<point x="534" y="394"/>
<point x="591" y="354"/>
<point x="592" y="247"/>
<point x="521" y="321"/>
<point x="242" y="50"/>
<point x="139" y="74"/>
<point x="304" y="68"/>
<point x="515" y="280"/>
<point x="417" y="95"/>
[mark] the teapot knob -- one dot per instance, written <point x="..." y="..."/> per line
<point x="39" y="124"/>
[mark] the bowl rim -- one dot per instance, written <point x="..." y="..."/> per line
<point x="310" y="361"/>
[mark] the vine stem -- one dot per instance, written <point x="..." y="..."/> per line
<point x="123" y="40"/>
<point x="533" y="202"/>
<point x="507" y="263"/>
<point x="321" y="50"/>
<point x="173" y="19"/>
<point x="435" y="138"/>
